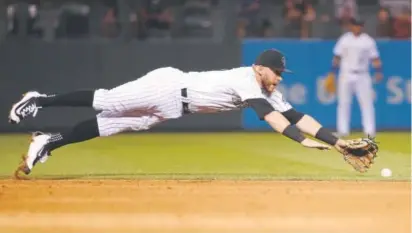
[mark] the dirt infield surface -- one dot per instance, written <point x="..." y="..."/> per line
<point x="204" y="206"/>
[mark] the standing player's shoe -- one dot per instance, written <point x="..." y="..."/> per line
<point x="25" y="107"/>
<point x="37" y="152"/>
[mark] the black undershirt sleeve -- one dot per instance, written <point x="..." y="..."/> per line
<point x="293" y="116"/>
<point x="261" y="106"/>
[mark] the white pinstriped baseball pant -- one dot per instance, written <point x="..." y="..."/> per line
<point x="361" y="85"/>
<point x="140" y="104"/>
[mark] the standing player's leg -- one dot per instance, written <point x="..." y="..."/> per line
<point x="344" y="106"/>
<point x="365" y="96"/>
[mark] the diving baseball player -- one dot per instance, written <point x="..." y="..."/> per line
<point x="353" y="53"/>
<point x="168" y="93"/>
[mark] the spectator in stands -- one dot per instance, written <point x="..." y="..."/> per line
<point x="241" y="29"/>
<point x="157" y="16"/>
<point x="266" y="29"/>
<point x="110" y="26"/>
<point x="402" y="25"/>
<point x="73" y="20"/>
<point x="248" y="23"/>
<point x="12" y="19"/>
<point x="384" y="27"/>
<point x="33" y="17"/>
<point x="31" y="14"/>
<point x="308" y="17"/>
<point x="345" y="17"/>
<point x="292" y="19"/>
<point x="137" y="22"/>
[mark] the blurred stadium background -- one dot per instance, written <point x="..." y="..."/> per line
<point x="61" y="45"/>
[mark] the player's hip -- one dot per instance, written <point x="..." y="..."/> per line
<point x="354" y="71"/>
<point x="345" y="76"/>
<point x="164" y="107"/>
<point x="138" y="99"/>
<point x="156" y="93"/>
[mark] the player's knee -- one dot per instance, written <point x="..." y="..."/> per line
<point x="107" y="101"/>
<point x="100" y="98"/>
<point x="145" y="123"/>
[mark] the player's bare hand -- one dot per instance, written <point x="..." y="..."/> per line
<point x="378" y="77"/>
<point x="314" y="144"/>
<point x="341" y="145"/>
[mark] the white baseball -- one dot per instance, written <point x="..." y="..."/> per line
<point x="386" y="172"/>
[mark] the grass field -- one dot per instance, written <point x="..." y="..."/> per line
<point x="204" y="182"/>
<point x="212" y="155"/>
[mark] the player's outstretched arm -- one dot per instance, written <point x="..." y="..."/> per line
<point x="266" y="112"/>
<point x="283" y="126"/>
<point x="359" y="153"/>
<point x="309" y="125"/>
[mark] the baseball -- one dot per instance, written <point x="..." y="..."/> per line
<point x="386" y="172"/>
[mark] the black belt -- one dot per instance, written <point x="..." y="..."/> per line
<point x="185" y="105"/>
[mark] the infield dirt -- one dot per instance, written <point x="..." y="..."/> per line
<point x="49" y="206"/>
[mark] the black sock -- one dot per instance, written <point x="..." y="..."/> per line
<point x="71" y="99"/>
<point x="83" y="131"/>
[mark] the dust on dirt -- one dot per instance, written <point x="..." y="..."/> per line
<point x="46" y="206"/>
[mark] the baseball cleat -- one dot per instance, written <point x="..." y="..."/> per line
<point x="25" y="107"/>
<point x="37" y="153"/>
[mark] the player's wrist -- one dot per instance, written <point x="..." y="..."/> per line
<point x="378" y="70"/>
<point x="293" y="133"/>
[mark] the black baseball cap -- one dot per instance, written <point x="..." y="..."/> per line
<point x="272" y="59"/>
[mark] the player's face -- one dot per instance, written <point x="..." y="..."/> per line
<point x="356" y="29"/>
<point x="271" y="79"/>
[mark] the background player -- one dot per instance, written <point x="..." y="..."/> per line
<point x="352" y="53"/>
<point x="168" y="93"/>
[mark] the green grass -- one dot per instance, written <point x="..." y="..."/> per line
<point x="204" y="156"/>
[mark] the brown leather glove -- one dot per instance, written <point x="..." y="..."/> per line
<point x="330" y="84"/>
<point x="360" y="153"/>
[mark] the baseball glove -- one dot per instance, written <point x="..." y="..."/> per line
<point x="330" y="85"/>
<point x="360" y="153"/>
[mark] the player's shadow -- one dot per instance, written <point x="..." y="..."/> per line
<point x="117" y="176"/>
<point x="152" y="176"/>
<point x="132" y="176"/>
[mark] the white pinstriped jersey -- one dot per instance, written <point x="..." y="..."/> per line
<point x="224" y="90"/>
<point x="355" y="52"/>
